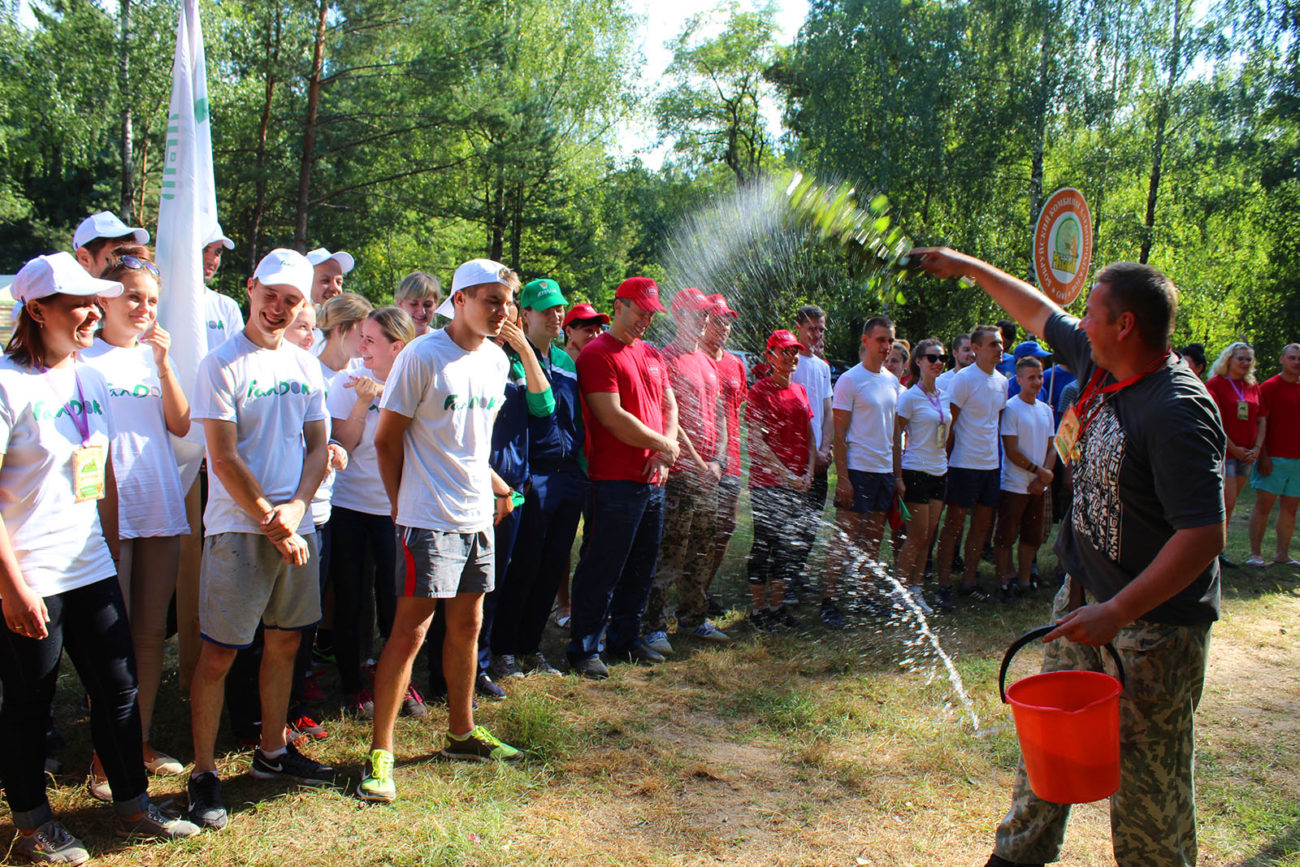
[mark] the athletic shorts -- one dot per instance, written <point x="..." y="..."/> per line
<point x="1284" y="481"/>
<point x="922" y="487"/>
<point x="872" y="492"/>
<point x="1020" y="515"/>
<point x="967" y="488"/>
<point x="438" y="565"/>
<point x="244" y="581"/>
<point x="1233" y="468"/>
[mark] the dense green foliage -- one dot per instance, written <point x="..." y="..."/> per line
<point x="419" y="133"/>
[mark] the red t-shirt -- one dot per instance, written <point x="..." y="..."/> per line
<point x="635" y="372"/>
<point x="731" y="379"/>
<point x="784" y="418"/>
<point x="1227" y="394"/>
<point x="694" y="379"/>
<point x="1281" y="401"/>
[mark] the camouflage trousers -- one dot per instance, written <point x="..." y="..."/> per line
<point x="1153" y="815"/>
<point x="685" y="554"/>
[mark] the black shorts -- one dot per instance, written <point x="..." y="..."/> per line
<point x="872" y="492"/>
<point x="967" y="488"/>
<point x="922" y="487"/>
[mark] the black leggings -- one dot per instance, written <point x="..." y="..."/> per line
<point x="90" y="623"/>
<point x="363" y="562"/>
<point x="779" y="549"/>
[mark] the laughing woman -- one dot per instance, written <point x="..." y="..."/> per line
<point x="58" y="583"/>
<point x="147" y="404"/>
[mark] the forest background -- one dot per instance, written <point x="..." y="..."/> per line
<point x="419" y="133"/>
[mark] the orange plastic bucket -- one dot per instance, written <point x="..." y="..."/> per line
<point x="1068" y="725"/>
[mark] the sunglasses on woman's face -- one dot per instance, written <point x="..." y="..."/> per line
<point x="935" y="359"/>
<point x="134" y="263"/>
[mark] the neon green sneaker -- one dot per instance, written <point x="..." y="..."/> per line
<point x="378" y="786"/>
<point x="479" y="745"/>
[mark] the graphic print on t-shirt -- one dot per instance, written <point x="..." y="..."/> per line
<point x="1097" y="512"/>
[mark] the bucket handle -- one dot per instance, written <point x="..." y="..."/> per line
<point x="1037" y="633"/>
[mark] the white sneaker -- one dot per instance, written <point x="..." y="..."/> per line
<point x="709" y="632"/>
<point x="919" y="598"/>
<point x="658" y="642"/>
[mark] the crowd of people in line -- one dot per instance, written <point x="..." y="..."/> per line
<point x="371" y="480"/>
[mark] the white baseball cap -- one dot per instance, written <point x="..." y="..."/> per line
<point x="475" y="272"/>
<point x="218" y="235"/>
<point x="283" y="267"/>
<point x="105" y="224"/>
<point x="320" y="254"/>
<point x="58" y="274"/>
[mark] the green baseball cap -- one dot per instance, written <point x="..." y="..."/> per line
<point x="541" y="294"/>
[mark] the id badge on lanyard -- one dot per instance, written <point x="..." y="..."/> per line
<point x="89" y="463"/>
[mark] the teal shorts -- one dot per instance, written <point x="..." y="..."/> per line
<point x="1284" y="481"/>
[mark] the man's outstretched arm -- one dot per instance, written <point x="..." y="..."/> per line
<point x="1026" y="304"/>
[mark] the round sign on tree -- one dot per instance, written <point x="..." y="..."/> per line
<point x="1063" y="245"/>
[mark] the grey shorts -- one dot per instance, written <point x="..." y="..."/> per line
<point x="438" y="565"/>
<point x="245" y="581"/>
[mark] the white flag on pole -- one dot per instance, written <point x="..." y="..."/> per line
<point x="187" y="216"/>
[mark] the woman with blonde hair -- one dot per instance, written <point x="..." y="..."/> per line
<point x="419" y="294"/>
<point x="1245" y="419"/>
<point x="131" y="351"/>
<point x="339" y="321"/>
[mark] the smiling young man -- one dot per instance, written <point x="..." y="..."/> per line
<point x="262" y="403"/>
<point x="223" y="316"/>
<point x="97" y="235"/>
<point x="630" y="415"/>
<point x="433" y="443"/>
<point x="1140" y="545"/>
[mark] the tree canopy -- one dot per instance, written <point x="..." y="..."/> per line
<point x="420" y="133"/>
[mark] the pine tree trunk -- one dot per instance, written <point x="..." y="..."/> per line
<point x="309" y="132"/>
<point x="272" y="54"/>
<point x="126" y="198"/>
<point x="1162" y="121"/>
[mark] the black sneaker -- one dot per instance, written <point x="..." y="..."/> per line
<point x="640" y="652"/>
<point x="779" y="618"/>
<point x="830" y="614"/>
<point x="758" y="621"/>
<point x="999" y="861"/>
<point x="206" y="809"/>
<point x="589" y="667"/>
<point x="291" y="765"/>
<point x="1008" y="595"/>
<point x="974" y="593"/>
<point x="536" y="664"/>
<point x="715" y="607"/>
<point x="487" y="688"/>
<point x="943" y="598"/>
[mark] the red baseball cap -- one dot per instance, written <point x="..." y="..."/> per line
<point x="718" y="306"/>
<point x="781" y="339"/>
<point x="689" y="300"/>
<point x="583" y="312"/>
<point x="641" y="291"/>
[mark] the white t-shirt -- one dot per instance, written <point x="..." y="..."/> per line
<point x="980" y="397"/>
<point x="814" y="375"/>
<point x="58" y="542"/>
<point x="320" y="504"/>
<point x="150" y="501"/>
<point x="942" y="380"/>
<point x="928" y="419"/>
<point x="871" y="399"/>
<point x="452" y="398"/>
<point x="1032" y="425"/>
<point x="270" y="394"/>
<point x="224" y="318"/>
<point x="359" y="487"/>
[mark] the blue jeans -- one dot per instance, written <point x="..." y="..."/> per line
<point x="612" y="581"/>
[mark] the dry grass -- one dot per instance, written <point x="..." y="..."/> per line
<point x="817" y="748"/>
